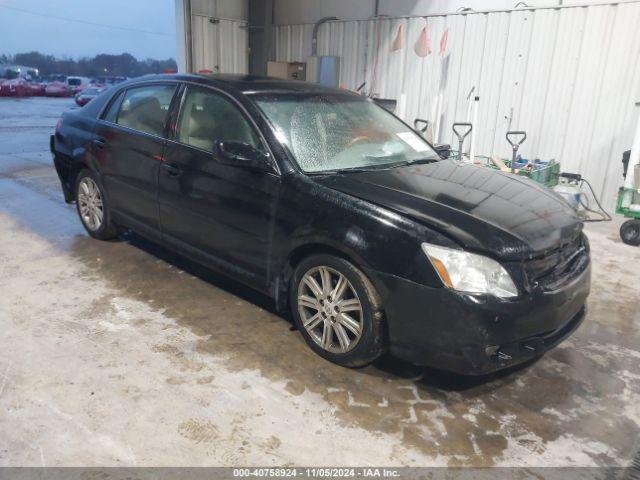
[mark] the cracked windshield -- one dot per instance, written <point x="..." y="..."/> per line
<point x="342" y="132"/>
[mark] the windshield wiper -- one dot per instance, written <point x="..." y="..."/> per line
<point x="368" y="168"/>
<point x="371" y="168"/>
<point x="419" y="161"/>
<point x="403" y="163"/>
<point x="341" y="170"/>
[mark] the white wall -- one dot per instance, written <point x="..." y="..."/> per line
<point x="228" y="9"/>
<point x="426" y="7"/>
<point x="219" y="37"/>
<point x="568" y="76"/>
<point x="181" y="39"/>
<point x="220" y="47"/>
<point x="310" y="11"/>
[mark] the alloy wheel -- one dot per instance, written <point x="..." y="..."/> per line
<point x="330" y="309"/>
<point x="90" y="204"/>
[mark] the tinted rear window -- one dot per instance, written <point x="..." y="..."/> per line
<point x="146" y="108"/>
<point x="112" y="113"/>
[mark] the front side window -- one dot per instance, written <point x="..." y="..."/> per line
<point x="339" y="131"/>
<point x="207" y="117"/>
<point x="146" y="108"/>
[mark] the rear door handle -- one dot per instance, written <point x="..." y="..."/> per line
<point x="100" y="142"/>
<point x="172" y="169"/>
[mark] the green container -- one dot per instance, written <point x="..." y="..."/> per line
<point x="546" y="175"/>
<point x="635" y="199"/>
<point x="541" y="175"/>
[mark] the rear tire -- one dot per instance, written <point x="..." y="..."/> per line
<point x="93" y="206"/>
<point x="337" y="310"/>
<point x="630" y="232"/>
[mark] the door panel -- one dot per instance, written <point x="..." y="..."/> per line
<point x="128" y="145"/>
<point x="221" y="213"/>
<point x="129" y="163"/>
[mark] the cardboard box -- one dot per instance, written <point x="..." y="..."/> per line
<point x="287" y="70"/>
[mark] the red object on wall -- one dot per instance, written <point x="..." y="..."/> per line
<point x="398" y="41"/>
<point x="423" y="45"/>
<point x="443" y="41"/>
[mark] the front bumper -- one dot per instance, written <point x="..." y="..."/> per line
<point x="479" y="334"/>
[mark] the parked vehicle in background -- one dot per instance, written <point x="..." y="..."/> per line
<point x="54" y="85"/>
<point x="17" y="87"/>
<point x="54" y="77"/>
<point x="116" y="80"/>
<point x="37" y="89"/>
<point x="58" y="89"/>
<point x="11" y="72"/>
<point x="336" y="209"/>
<point x="77" y="84"/>
<point x="104" y="80"/>
<point x="88" y="94"/>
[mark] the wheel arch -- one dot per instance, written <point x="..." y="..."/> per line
<point x="307" y="249"/>
<point x="69" y="167"/>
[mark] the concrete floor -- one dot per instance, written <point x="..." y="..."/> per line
<point x="120" y="353"/>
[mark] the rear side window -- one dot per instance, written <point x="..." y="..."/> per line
<point x="112" y="113"/>
<point x="146" y="108"/>
<point x="207" y="116"/>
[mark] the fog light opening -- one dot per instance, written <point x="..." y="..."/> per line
<point x="492" y="350"/>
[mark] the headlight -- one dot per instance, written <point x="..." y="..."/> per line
<point x="468" y="272"/>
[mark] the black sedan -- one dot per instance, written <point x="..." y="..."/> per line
<point x="336" y="209"/>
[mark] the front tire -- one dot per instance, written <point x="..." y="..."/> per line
<point x="93" y="207"/>
<point x="337" y="310"/>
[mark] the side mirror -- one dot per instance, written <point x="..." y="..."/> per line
<point x="443" y="150"/>
<point x="241" y="154"/>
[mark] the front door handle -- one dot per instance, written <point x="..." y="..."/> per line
<point x="99" y="142"/>
<point x="172" y="169"/>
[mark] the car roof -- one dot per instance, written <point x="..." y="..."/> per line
<point x="247" y="84"/>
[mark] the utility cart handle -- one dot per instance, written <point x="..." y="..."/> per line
<point x="419" y="121"/>
<point x="516" y="144"/>
<point x="459" y="134"/>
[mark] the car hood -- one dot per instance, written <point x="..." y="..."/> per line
<point x="487" y="210"/>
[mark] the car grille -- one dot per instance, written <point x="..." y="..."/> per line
<point x="557" y="267"/>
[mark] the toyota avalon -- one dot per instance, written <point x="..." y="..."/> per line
<point x="338" y="210"/>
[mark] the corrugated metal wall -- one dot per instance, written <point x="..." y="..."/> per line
<point x="568" y="76"/>
<point x="219" y="45"/>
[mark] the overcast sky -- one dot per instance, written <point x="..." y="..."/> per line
<point x="143" y="28"/>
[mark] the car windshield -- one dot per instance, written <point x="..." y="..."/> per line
<point x="326" y="132"/>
